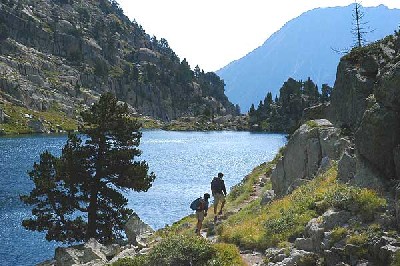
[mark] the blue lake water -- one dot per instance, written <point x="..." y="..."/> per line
<point x="184" y="163"/>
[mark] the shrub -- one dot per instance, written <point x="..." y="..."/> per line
<point x="182" y="250"/>
<point x="365" y="202"/>
<point x="338" y="234"/>
<point x="227" y="255"/>
<point x="132" y="261"/>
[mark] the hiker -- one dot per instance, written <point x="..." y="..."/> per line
<point x="200" y="205"/>
<point x="219" y="192"/>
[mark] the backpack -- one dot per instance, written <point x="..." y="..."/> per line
<point x="216" y="185"/>
<point x="195" y="204"/>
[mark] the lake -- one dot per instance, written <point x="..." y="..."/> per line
<point x="184" y="163"/>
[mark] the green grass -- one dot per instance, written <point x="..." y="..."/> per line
<point x="338" y="234"/>
<point x="312" y="124"/>
<point x="18" y="124"/>
<point x="260" y="227"/>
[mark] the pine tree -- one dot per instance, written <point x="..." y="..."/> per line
<point x="78" y="195"/>
<point x="358" y="30"/>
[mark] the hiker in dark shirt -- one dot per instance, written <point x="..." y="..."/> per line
<point x="219" y="192"/>
<point x="201" y="212"/>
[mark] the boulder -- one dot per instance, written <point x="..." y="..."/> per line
<point x="37" y="126"/>
<point x="315" y="232"/>
<point x="268" y="196"/>
<point x="128" y="252"/>
<point x="335" y="256"/>
<point x="313" y="141"/>
<point x="347" y="167"/>
<point x="332" y="218"/>
<point x="275" y="254"/>
<point x="295" y="258"/>
<point x="136" y="230"/>
<point x="90" y="252"/>
<point x="304" y="244"/>
<point x="4" y="118"/>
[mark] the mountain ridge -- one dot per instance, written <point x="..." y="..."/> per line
<point x="63" y="54"/>
<point x="265" y="68"/>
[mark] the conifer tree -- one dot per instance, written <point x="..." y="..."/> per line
<point x="78" y="195"/>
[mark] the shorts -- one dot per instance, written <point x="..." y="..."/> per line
<point x="218" y="197"/>
<point x="200" y="215"/>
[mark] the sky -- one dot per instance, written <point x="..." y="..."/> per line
<point x="213" y="33"/>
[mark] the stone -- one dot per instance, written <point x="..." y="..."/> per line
<point x="387" y="252"/>
<point x="275" y="254"/>
<point x="296" y="256"/>
<point x="304" y="244"/>
<point x="315" y="232"/>
<point x="267" y="197"/>
<point x="37" y="126"/>
<point x="347" y="167"/>
<point x="334" y="256"/>
<point x="3" y="116"/>
<point x="367" y="175"/>
<point x="128" y="252"/>
<point x="332" y="219"/>
<point x="135" y="229"/>
<point x="90" y="252"/>
<point x="111" y="251"/>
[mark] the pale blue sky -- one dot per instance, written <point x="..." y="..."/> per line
<point x="213" y="33"/>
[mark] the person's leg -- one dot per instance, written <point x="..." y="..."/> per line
<point x="222" y="204"/>
<point x="216" y="201"/>
<point x="200" y="218"/>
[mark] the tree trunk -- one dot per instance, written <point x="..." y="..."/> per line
<point x="92" y="214"/>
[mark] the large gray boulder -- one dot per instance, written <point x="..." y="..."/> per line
<point x="88" y="253"/>
<point x="137" y="231"/>
<point x="313" y="141"/>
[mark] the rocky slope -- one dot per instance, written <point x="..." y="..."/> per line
<point x="61" y="55"/>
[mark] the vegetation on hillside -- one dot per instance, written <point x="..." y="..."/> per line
<point x="284" y="114"/>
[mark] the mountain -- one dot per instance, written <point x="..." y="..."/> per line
<point x="303" y="47"/>
<point x="62" y="54"/>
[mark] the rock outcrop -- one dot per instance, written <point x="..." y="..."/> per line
<point x="366" y="100"/>
<point x="311" y="147"/>
<point x="137" y="231"/>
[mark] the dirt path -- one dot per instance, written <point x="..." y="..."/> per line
<point x="252" y="258"/>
